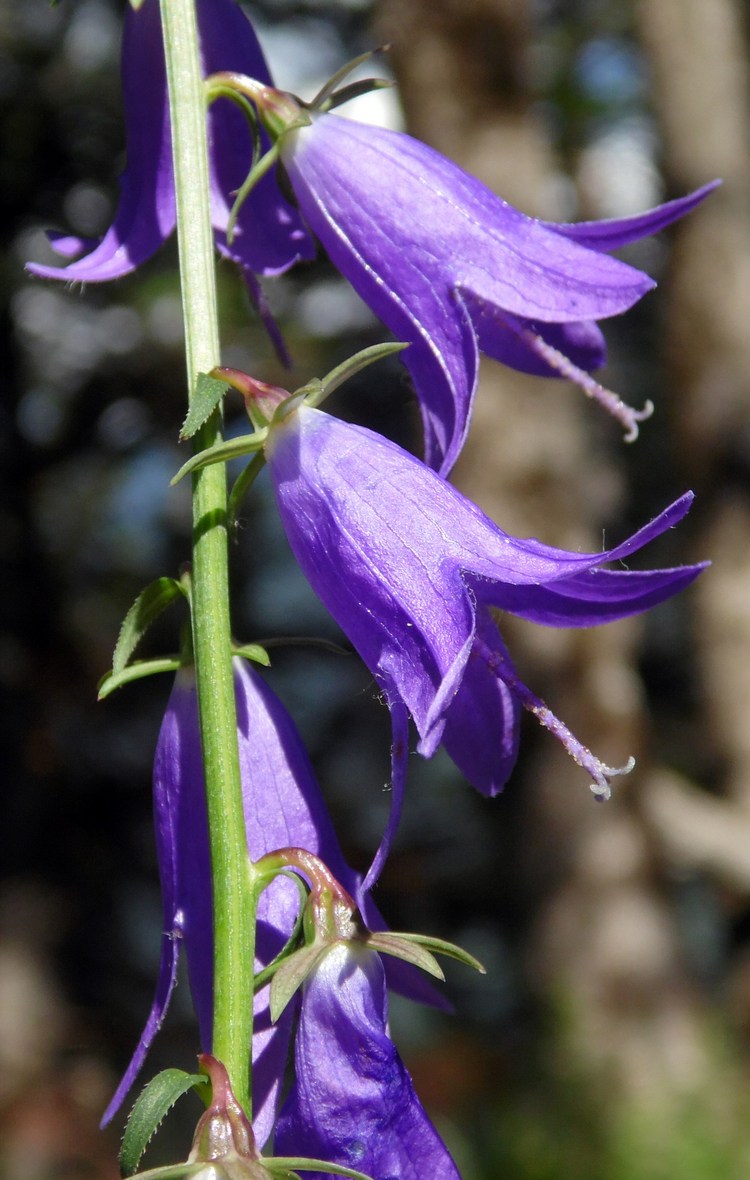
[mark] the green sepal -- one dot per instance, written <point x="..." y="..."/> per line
<point x="411" y="952"/>
<point x="281" y="1164"/>
<point x="222" y="452"/>
<point x="254" y="652"/>
<point x="243" y="482"/>
<point x="327" y="91"/>
<point x="206" y="397"/>
<point x="292" y="974"/>
<point x="135" y="671"/>
<point x="152" y="1104"/>
<point x="426" y="942"/>
<point x="147" y="607"/>
<point x="318" y="391"/>
<point x="262" y="977"/>
<point x="356" y="90"/>
<point x="257" y="172"/>
<point x="171" y="1172"/>
<point x="136" y="4"/>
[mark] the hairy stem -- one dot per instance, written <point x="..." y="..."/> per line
<point x="234" y="927"/>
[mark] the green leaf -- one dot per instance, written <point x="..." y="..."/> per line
<point x="135" y="671"/>
<point x="151" y="1106"/>
<point x="206" y="397"/>
<point x="220" y="453"/>
<point x="147" y="607"/>
<point x="292" y="974"/>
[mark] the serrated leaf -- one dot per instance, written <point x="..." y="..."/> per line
<point x="207" y="394"/>
<point x="150" y="1107"/>
<point x="222" y="452"/>
<point x="135" y="671"/>
<point x="147" y="607"/>
<point x="291" y="975"/>
<point x="410" y="952"/>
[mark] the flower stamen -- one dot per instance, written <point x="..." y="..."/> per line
<point x="628" y="417"/>
<point x="600" y="773"/>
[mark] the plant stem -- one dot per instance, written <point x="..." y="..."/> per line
<point x="234" y="926"/>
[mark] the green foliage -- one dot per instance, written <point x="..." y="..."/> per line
<point x="206" y="397"/>
<point x="147" y="607"/>
<point x="152" y="1104"/>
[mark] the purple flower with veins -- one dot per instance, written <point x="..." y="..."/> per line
<point x="283" y="807"/>
<point x="268" y="237"/>
<point x="352" y="1101"/>
<point x="455" y="271"/>
<point x="411" y="571"/>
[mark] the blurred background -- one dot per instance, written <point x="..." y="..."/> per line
<point x="611" y="1037"/>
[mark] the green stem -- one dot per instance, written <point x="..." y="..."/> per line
<point x="234" y="925"/>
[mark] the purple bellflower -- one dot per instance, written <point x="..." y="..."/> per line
<point x="411" y="570"/>
<point x="454" y="270"/>
<point x="268" y="236"/>
<point x="283" y="807"/>
<point x="352" y="1101"/>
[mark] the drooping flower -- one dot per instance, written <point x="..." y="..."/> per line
<point x="352" y="1101"/>
<point x="455" y="271"/>
<point x="269" y="236"/>
<point x="411" y="570"/>
<point x="283" y="807"/>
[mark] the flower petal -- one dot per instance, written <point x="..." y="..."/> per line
<point x="352" y="1101"/>
<point x="269" y="236"/>
<point x="146" y="211"/>
<point x="450" y="267"/>
<point x="612" y="234"/>
<point x="482" y="732"/>
<point x="408" y="567"/>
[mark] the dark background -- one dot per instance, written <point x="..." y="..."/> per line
<point x="610" y="1037"/>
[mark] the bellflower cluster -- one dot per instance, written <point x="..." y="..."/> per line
<point x="413" y="572"/>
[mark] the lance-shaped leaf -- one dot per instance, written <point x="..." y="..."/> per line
<point x="147" y="607"/>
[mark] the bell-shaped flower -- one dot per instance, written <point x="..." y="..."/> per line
<point x="283" y="807"/>
<point x="454" y="270"/>
<point x="268" y="237"/>
<point x="411" y="571"/>
<point x="352" y="1101"/>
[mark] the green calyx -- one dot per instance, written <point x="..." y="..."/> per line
<point x="267" y="404"/>
<point x="280" y="113"/>
<point x="329" y="917"/>
<point x="224" y="1146"/>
